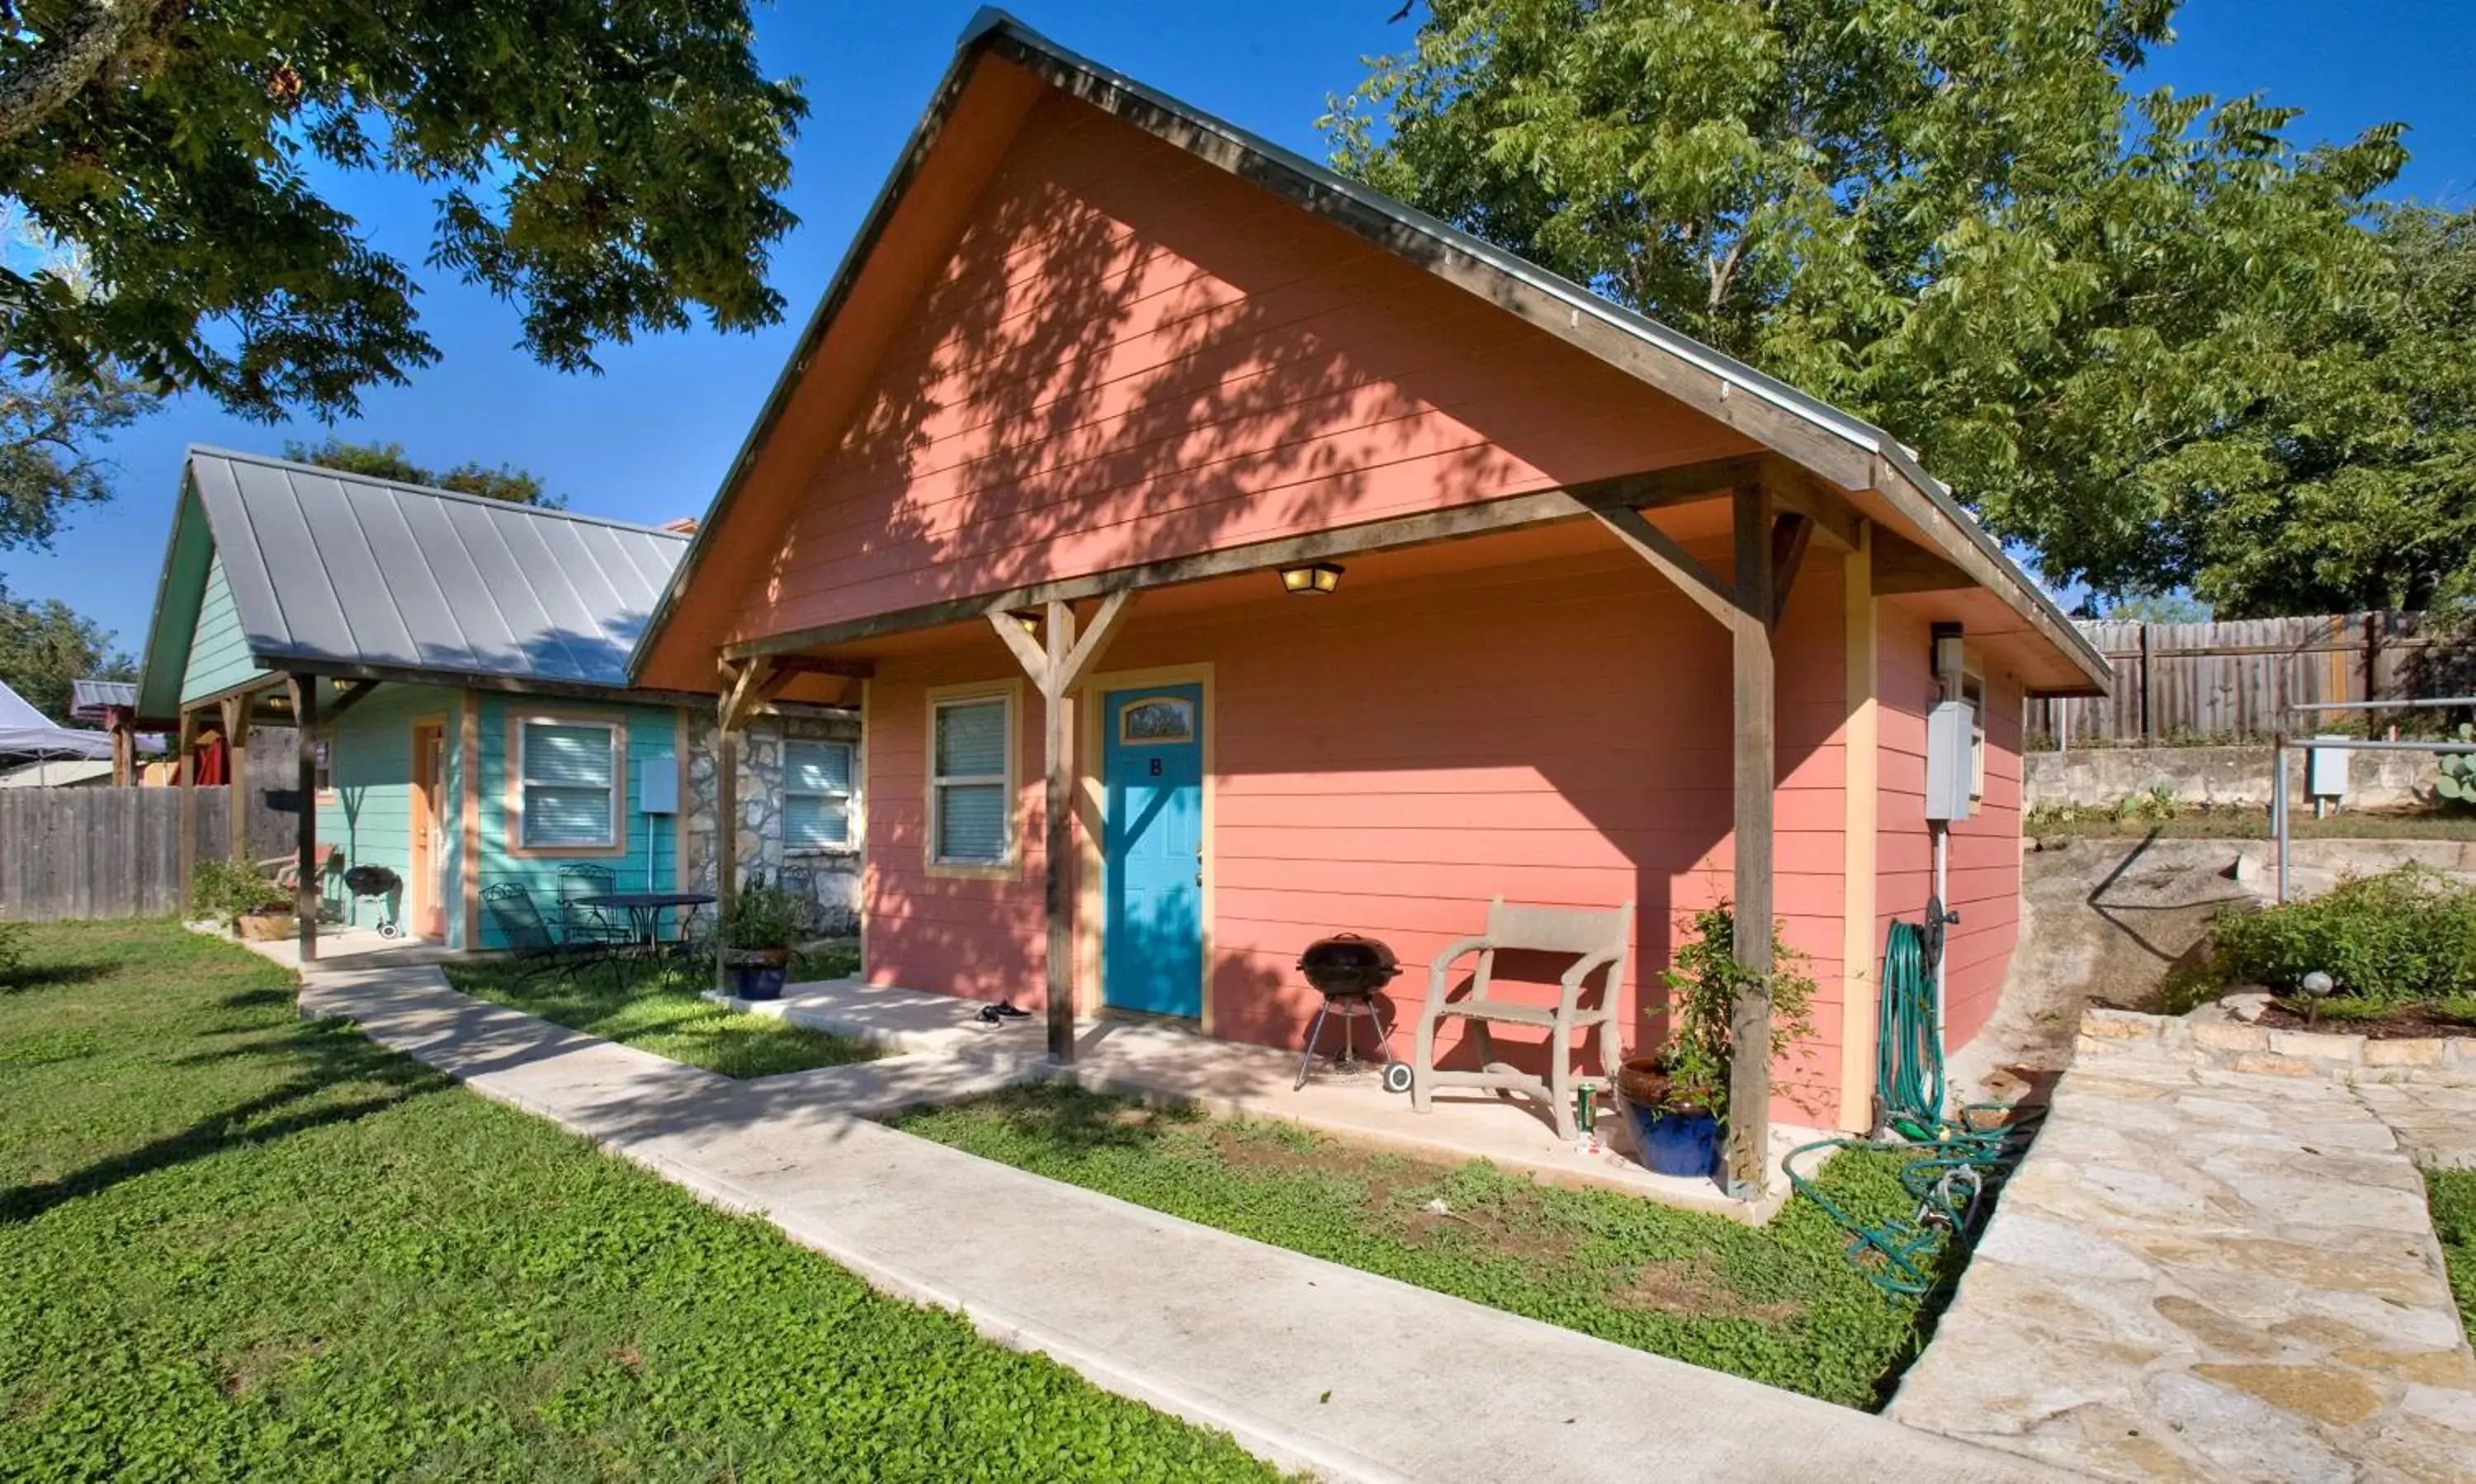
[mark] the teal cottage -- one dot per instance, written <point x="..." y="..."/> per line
<point x="455" y="670"/>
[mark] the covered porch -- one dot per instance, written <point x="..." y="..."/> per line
<point x="1589" y="696"/>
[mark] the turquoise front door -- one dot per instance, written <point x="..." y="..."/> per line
<point x="1151" y="848"/>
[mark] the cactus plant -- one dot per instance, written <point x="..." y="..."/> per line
<point x="2457" y="780"/>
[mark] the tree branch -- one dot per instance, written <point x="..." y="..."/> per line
<point x="66" y="62"/>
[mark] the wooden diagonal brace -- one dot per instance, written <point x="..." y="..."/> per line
<point x="1673" y="562"/>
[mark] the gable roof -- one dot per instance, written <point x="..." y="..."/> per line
<point x="341" y="574"/>
<point x="90" y="701"/>
<point x="1845" y="449"/>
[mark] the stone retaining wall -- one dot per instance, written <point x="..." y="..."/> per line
<point x="2230" y="1045"/>
<point x="2103" y="777"/>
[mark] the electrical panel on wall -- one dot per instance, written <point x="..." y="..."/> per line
<point x="1951" y="756"/>
<point x="658" y="785"/>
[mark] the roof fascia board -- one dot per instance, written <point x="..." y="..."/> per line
<point x="161" y="647"/>
<point x="466" y="680"/>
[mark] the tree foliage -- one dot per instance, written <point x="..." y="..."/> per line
<point x="611" y="167"/>
<point x="388" y="461"/>
<point x="1951" y="216"/>
<point x="44" y="645"/>
<point x="2353" y="483"/>
<point x="51" y="422"/>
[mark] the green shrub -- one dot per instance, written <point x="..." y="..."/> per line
<point x="2457" y="783"/>
<point x="763" y="918"/>
<point x="228" y="890"/>
<point x="2405" y="936"/>
<point x="1704" y="986"/>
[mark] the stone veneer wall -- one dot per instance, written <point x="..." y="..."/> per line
<point x="834" y="874"/>
<point x="2100" y="776"/>
<point x="2208" y="1038"/>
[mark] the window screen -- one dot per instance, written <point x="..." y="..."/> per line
<point x="569" y="778"/>
<point x="816" y="793"/>
<point x="968" y="790"/>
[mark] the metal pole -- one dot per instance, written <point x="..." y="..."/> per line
<point x="2278" y="815"/>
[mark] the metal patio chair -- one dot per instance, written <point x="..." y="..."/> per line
<point x="1597" y="942"/>
<point x="579" y="923"/>
<point x="531" y="944"/>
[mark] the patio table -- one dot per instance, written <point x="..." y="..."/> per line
<point x="645" y="909"/>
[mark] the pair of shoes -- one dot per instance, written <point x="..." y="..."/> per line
<point x="999" y="1014"/>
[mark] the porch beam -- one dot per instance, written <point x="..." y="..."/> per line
<point x="1457" y="523"/>
<point x="826" y="664"/>
<point x="1790" y="536"/>
<point x="1837" y="523"/>
<point x="742" y="691"/>
<point x="1057" y="843"/>
<point x="1710" y="478"/>
<point x="186" y="768"/>
<point x="307" y="892"/>
<point x="1750" y="1062"/>
<point x="351" y="695"/>
<point x="1674" y="562"/>
<point x="1085" y="655"/>
<point x="232" y="716"/>
<point x="1902" y="566"/>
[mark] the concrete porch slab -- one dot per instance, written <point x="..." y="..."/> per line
<point x="1234" y="1078"/>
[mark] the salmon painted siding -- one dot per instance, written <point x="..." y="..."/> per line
<point x="1985" y="852"/>
<point x="1130" y="355"/>
<point x="1386" y="761"/>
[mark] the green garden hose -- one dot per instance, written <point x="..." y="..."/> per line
<point x="1954" y="1163"/>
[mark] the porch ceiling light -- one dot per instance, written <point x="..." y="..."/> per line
<point x="1310" y="579"/>
<point x="1029" y="618"/>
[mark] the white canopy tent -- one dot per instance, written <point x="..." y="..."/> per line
<point x="28" y="733"/>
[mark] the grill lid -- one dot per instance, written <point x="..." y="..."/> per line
<point x="1345" y="963"/>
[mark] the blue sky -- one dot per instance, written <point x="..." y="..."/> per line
<point x="650" y="438"/>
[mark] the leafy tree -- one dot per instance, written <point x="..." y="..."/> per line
<point x="51" y="421"/>
<point x="2155" y="608"/>
<point x="1951" y="216"/>
<point x="388" y="461"/>
<point x="609" y="165"/>
<point x="2353" y="484"/>
<point x="44" y="645"/>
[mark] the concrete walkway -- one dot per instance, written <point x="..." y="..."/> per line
<point x="2214" y="1275"/>
<point x="1307" y="1364"/>
<point x="1233" y="1079"/>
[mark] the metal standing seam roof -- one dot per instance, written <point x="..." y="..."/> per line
<point x="88" y="700"/>
<point x="330" y="566"/>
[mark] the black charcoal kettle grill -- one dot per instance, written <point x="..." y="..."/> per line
<point x="382" y="883"/>
<point x="1347" y="970"/>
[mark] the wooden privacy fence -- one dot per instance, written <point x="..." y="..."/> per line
<point x="67" y="853"/>
<point x="2233" y="681"/>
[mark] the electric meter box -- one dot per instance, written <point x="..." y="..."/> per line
<point x="657" y="786"/>
<point x="1951" y="758"/>
<point x="2325" y="770"/>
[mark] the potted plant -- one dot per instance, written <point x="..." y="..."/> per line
<point x="234" y="894"/>
<point x="1674" y="1097"/>
<point x="758" y="933"/>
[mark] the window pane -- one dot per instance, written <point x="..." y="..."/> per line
<point x="971" y="739"/>
<point x="566" y="816"/>
<point x="1160" y="719"/>
<point x="972" y="822"/>
<point x="811" y="820"/>
<point x="816" y="767"/>
<point x="576" y="755"/>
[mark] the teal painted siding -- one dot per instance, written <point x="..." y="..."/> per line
<point x="370" y="813"/>
<point x="653" y="733"/>
<point x="218" y="650"/>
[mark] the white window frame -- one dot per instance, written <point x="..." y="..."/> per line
<point x="1972" y="690"/>
<point x="848" y="796"/>
<point x="1007" y="864"/>
<point x="524" y="781"/>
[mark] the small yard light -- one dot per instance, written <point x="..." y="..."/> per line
<point x="1310" y="579"/>
<point x="2318" y="986"/>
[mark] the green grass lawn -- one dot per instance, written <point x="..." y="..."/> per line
<point x="665" y="1012"/>
<point x="2453" y="1197"/>
<point x="235" y="1245"/>
<point x="1780" y="1304"/>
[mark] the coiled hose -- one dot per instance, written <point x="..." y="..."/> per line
<point x="1954" y="1163"/>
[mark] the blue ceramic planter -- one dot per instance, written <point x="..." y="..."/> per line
<point x="756" y="982"/>
<point x="1676" y="1143"/>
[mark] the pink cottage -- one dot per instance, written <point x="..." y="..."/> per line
<point x="1109" y="392"/>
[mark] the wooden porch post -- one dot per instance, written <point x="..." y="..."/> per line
<point x="1749" y="1064"/>
<point x="232" y="714"/>
<point x="1059" y="666"/>
<point x="124" y="748"/>
<point x="746" y="686"/>
<point x="187" y="767"/>
<point x="308" y="891"/>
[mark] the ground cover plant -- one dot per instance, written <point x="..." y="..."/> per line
<point x="2452" y="1195"/>
<point x="1781" y="1304"/>
<point x="663" y="1010"/>
<point x="234" y="1244"/>
<point x="2404" y="937"/>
